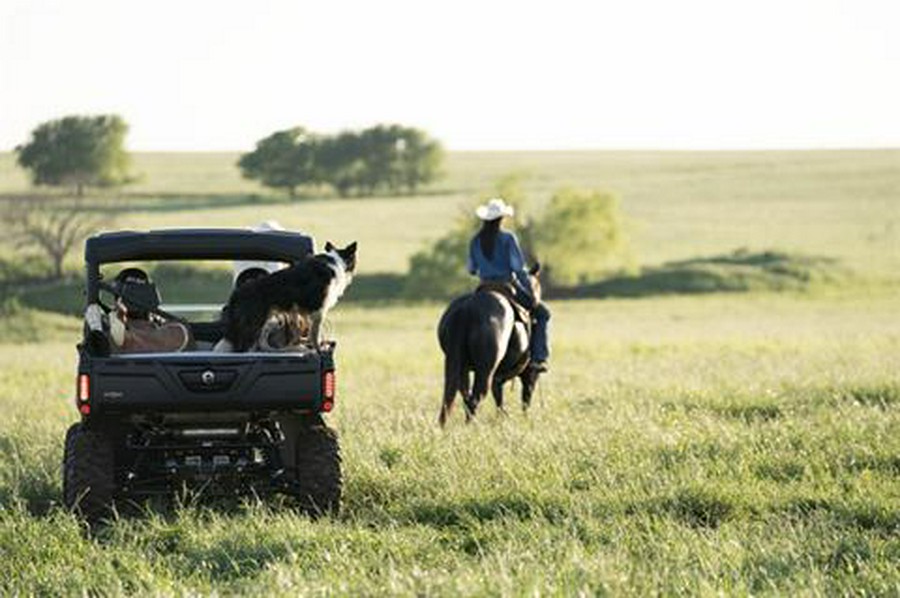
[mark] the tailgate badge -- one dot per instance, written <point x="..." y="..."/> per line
<point x="208" y="377"/>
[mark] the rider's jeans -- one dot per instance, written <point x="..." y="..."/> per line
<point x="540" y="340"/>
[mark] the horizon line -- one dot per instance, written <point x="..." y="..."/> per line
<point x="577" y="149"/>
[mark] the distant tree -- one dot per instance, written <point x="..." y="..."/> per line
<point x="342" y="163"/>
<point x="78" y="151"/>
<point x="439" y="271"/>
<point x="383" y="157"/>
<point x="377" y="152"/>
<point x="419" y="158"/>
<point x="581" y="237"/>
<point x="283" y="160"/>
<point x="398" y="158"/>
<point x="52" y="226"/>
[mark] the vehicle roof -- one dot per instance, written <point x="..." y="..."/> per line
<point x="198" y="243"/>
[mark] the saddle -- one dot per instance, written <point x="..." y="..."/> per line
<point x="522" y="313"/>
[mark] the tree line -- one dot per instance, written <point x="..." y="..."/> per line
<point x="77" y="152"/>
<point x="384" y="158"/>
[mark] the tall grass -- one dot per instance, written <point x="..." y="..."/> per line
<point x="715" y="444"/>
<point x="680" y="445"/>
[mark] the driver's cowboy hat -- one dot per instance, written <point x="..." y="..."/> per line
<point x="493" y="209"/>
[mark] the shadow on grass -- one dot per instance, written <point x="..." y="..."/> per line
<point x="227" y="558"/>
<point x="56" y="296"/>
<point x="184" y="202"/>
<point x="739" y="271"/>
<point x="880" y="396"/>
<point x="26" y="481"/>
<point x="459" y="514"/>
<point x="376" y="287"/>
<point x="750" y="414"/>
<point x="783" y="471"/>
<point x="695" y="506"/>
<point x="187" y="202"/>
<point x="866" y="516"/>
<point x="178" y="283"/>
<point x="22" y="268"/>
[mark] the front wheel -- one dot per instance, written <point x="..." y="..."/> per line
<point x="88" y="473"/>
<point x="318" y="466"/>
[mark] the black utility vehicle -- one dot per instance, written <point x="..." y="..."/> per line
<point x="155" y="423"/>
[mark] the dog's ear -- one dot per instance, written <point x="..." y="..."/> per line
<point x="535" y="269"/>
<point x="348" y="254"/>
<point x="328" y="247"/>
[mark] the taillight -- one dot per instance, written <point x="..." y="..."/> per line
<point x="328" y="390"/>
<point x="84" y="394"/>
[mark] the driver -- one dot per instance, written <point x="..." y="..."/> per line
<point x="132" y="325"/>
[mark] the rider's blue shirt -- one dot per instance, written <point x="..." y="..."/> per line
<point x="507" y="264"/>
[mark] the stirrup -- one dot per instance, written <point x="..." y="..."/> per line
<point x="539" y="366"/>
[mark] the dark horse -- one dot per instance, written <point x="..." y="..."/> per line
<point x="479" y="333"/>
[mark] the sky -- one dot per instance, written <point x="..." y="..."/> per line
<point x="478" y="75"/>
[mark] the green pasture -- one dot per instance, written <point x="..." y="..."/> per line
<point x="721" y="443"/>
<point x="681" y="205"/>
<point x="738" y="444"/>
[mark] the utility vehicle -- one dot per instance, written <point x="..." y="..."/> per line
<point x="157" y="423"/>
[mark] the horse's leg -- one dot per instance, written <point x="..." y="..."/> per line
<point x="497" y="391"/>
<point x="464" y="383"/>
<point x="452" y="379"/>
<point x="529" y="379"/>
<point x="484" y="377"/>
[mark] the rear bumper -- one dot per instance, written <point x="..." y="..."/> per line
<point x="202" y="381"/>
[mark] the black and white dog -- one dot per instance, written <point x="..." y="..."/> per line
<point x="309" y="288"/>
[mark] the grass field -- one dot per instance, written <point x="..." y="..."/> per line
<point x="740" y="443"/>
<point x="681" y="204"/>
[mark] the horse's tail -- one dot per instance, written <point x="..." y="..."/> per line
<point x="452" y="337"/>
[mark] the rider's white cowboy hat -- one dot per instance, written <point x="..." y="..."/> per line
<point x="493" y="209"/>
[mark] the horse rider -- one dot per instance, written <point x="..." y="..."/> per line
<point x="495" y="256"/>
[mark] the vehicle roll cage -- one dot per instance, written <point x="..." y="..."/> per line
<point x="200" y="244"/>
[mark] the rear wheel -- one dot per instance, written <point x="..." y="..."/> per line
<point x="318" y="466"/>
<point x="88" y="473"/>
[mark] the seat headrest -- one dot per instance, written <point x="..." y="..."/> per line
<point x="139" y="298"/>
